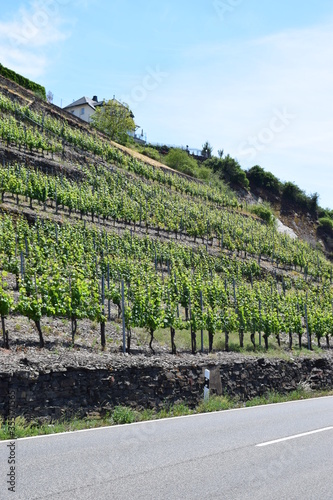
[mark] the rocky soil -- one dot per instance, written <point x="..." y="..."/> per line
<point x="86" y="352"/>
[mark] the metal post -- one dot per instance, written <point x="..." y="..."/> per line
<point x="123" y="314"/>
<point x="201" y="305"/>
<point x="260" y="322"/>
<point x="307" y="326"/>
<point x="22" y="266"/>
<point x="109" y="301"/>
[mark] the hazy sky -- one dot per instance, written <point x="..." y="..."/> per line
<point x="253" y="78"/>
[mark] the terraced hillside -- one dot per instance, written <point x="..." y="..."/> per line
<point x="100" y="247"/>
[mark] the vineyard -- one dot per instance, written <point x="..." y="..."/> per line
<point x="90" y="233"/>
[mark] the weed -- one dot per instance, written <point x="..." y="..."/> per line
<point x="215" y="403"/>
<point x="123" y="415"/>
<point x="126" y="415"/>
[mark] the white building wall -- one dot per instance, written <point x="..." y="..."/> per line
<point x="84" y="112"/>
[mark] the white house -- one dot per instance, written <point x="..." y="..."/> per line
<point x="84" y="108"/>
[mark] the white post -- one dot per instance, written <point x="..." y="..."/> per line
<point x="206" y="386"/>
<point x="123" y="314"/>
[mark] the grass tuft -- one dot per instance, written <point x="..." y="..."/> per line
<point x="126" y="415"/>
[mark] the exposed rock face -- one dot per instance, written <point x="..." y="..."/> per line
<point x="281" y="228"/>
<point x="50" y="390"/>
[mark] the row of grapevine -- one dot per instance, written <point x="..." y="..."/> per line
<point x="95" y="144"/>
<point x="115" y="197"/>
<point x="58" y="268"/>
<point x="14" y="132"/>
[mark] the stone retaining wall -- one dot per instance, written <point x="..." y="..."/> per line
<point x="40" y="392"/>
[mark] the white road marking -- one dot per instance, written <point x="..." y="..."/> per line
<point x="145" y="422"/>
<point x="295" y="436"/>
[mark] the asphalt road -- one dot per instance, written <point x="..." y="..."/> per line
<point x="237" y="454"/>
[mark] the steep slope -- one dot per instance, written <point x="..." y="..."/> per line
<point x="92" y="234"/>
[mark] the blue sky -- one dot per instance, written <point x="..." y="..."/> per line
<point x="253" y="78"/>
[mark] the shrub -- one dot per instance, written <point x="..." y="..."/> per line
<point x="151" y="153"/>
<point x="228" y="170"/>
<point x="263" y="212"/>
<point x="325" y="212"/>
<point x="123" y="415"/>
<point x="261" y="179"/>
<point x="203" y="173"/>
<point x="293" y="195"/>
<point x="327" y="224"/>
<point x="39" y="90"/>
<point x="181" y="161"/>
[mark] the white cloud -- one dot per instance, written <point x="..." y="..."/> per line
<point x="24" y="62"/>
<point x="25" y="38"/>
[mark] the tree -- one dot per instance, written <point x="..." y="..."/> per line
<point x="114" y="119"/>
<point x="207" y="150"/>
<point x="49" y="97"/>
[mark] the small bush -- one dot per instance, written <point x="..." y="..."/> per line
<point x="327" y="224"/>
<point x="151" y="153"/>
<point x="123" y="415"/>
<point x="261" y="179"/>
<point x="325" y="212"/>
<point x="181" y="161"/>
<point x="204" y="173"/>
<point x="228" y="170"/>
<point x="293" y="195"/>
<point x="263" y="212"/>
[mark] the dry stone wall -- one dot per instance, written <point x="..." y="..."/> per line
<point x="47" y="391"/>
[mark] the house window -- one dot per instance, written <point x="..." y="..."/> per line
<point x="82" y="111"/>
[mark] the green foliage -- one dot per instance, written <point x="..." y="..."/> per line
<point x="259" y="178"/>
<point x="39" y="90"/>
<point x="294" y="196"/>
<point x="6" y="298"/>
<point x="325" y="212"/>
<point x="291" y="195"/>
<point x="275" y="397"/>
<point x="151" y="153"/>
<point x="215" y="403"/>
<point x="162" y="150"/>
<point x="114" y="119"/>
<point x="263" y="212"/>
<point x="31" y="305"/>
<point x="229" y="170"/>
<point x="204" y="173"/>
<point x="82" y="301"/>
<point x="207" y="150"/>
<point x="159" y="276"/>
<point x="327" y="224"/>
<point x="123" y="415"/>
<point x="181" y="161"/>
<point x="15" y="133"/>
